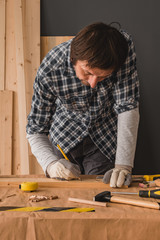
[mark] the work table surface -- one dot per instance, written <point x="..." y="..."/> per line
<point x="116" y="221"/>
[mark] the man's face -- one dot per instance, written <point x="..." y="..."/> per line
<point x="90" y="76"/>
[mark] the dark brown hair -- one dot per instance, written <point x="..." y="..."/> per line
<point x="101" y="45"/>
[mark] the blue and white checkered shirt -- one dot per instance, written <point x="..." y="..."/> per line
<point x="68" y="111"/>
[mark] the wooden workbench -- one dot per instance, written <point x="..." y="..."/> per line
<point x="115" y="222"/>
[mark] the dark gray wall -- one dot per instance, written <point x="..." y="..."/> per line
<point x="140" y="18"/>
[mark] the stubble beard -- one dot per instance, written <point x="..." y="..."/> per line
<point x="84" y="82"/>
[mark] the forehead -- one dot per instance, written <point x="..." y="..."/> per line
<point x="95" y="71"/>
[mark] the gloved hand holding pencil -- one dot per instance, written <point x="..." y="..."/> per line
<point x="53" y="166"/>
<point x="63" y="169"/>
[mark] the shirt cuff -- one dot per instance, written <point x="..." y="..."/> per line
<point x="126" y="106"/>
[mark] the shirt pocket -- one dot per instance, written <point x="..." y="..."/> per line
<point x="75" y="103"/>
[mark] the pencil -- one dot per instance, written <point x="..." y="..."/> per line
<point x="64" y="155"/>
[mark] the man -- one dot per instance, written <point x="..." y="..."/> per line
<point x="86" y="96"/>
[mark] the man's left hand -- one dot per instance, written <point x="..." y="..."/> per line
<point x="118" y="176"/>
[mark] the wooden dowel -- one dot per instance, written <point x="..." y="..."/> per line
<point x="77" y="200"/>
<point x="135" y="202"/>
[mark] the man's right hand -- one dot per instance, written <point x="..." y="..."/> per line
<point x="63" y="169"/>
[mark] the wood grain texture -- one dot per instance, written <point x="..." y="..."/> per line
<point x="87" y="181"/>
<point x="6" y="104"/>
<point x="2" y="44"/>
<point x="47" y="43"/>
<point x="11" y="72"/>
<point x="11" y="81"/>
<point x="21" y="86"/>
<point x="135" y="202"/>
<point x="31" y="34"/>
<point x="31" y="31"/>
<point x="84" y="201"/>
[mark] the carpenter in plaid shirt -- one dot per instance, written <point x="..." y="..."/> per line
<point x="86" y="96"/>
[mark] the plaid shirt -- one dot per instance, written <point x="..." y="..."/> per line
<point x="68" y="111"/>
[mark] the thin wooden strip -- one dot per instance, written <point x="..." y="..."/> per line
<point x="21" y="87"/>
<point x="2" y="44"/>
<point x="56" y="184"/>
<point x="6" y="103"/>
<point x="11" y="73"/>
<point x="84" y="201"/>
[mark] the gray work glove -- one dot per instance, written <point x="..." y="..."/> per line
<point x="118" y="176"/>
<point x="63" y="169"/>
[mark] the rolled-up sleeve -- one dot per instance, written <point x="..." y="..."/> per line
<point x="126" y="88"/>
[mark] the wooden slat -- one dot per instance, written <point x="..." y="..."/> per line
<point x="6" y="103"/>
<point x="53" y="184"/>
<point x="11" y="81"/>
<point x="47" y="43"/>
<point x="31" y="45"/>
<point x="2" y="44"/>
<point x="31" y="27"/>
<point x="86" y="181"/>
<point x="21" y="87"/>
<point x="11" y="73"/>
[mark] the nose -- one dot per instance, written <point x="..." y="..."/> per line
<point x="93" y="80"/>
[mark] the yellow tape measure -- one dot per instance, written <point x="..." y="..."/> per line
<point x="28" y="186"/>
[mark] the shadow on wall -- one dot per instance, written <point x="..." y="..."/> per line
<point x="145" y="157"/>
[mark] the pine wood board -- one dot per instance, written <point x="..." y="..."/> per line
<point x="21" y="86"/>
<point x="47" y="43"/>
<point x="31" y="43"/>
<point x="6" y="104"/>
<point x="87" y="181"/>
<point x="11" y="81"/>
<point x="2" y="43"/>
<point x="11" y="72"/>
<point x="31" y="31"/>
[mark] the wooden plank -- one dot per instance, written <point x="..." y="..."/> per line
<point x="87" y="181"/>
<point x="11" y="73"/>
<point x="47" y="43"/>
<point x="11" y="82"/>
<point x="6" y="103"/>
<point x="2" y="44"/>
<point x="31" y="36"/>
<point x="31" y="31"/>
<point x="21" y="87"/>
<point x="89" y="185"/>
<point x="31" y="27"/>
